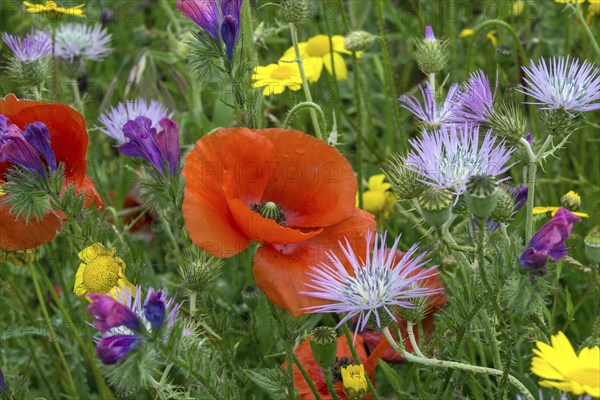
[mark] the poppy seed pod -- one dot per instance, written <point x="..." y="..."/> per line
<point x="482" y="195"/>
<point x="436" y="206"/>
<point x="592" y="247"/>
<point x="323" y="343"/>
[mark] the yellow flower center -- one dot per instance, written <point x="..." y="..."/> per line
<point x="586" y="377"/>
<point x="282" y="72"/>
<point x="101" y="275"/>
<point x="318" y="46"/>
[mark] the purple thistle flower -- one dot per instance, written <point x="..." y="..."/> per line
<point x="429" y="36"/>
<point x="23" y="148"/>
<point x="159" y="149"/>
<point x="111" y="349"/>
<point x="74" y="41"/>
<point x="114" y="119"/>
<point x="223" y="25"/>
<point x="549" y="241"/>
<point x="430" y="111"/>
<point x="563" y="83"/>
<point x="374" y="285"/>
<point x="35" y="46"/>
<point x="110" y="314"/>
<point x="449" y="156"/>
<point x="476" y="101"/>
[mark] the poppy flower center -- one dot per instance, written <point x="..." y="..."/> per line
<point x="100" y="275"/>
<point x="318" y="46"/>
<point x="586" y="377"/>
<point x="270" y="210"/>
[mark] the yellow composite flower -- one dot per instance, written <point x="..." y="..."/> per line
<point x="491" y="35"/>
<point x="100" y="272"/>
<point x="560" y="367"/>
<point x="51" y="8"/>
<point x="316" y="53"/>
<point x="275" y="78"/>
<point x="354" y="381"/>
<point x="571" y="201"/>
<point x="518" y="7"/>
<point x="378" y="199"/>
<point x="553" y="210"/>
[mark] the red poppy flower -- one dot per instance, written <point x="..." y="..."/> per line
<point x="282" y="188"/>
<point x="313" y="369"/>
<point x="69" y="141"/>
<point x="376" y="341"/>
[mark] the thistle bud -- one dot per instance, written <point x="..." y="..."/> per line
<point x="250" y="295"/>
<point x="405" y="183"/>
<point x="508" y="121"/>
<point x="504" y="209"/>
<point x="296" y="11"/>
<point x="323" y="343"/>
<point x="592" y="247"/>
<point x="571" y="201"/>
<point x="436" y="206"/>
<point x="560" y="123"/>
<point x="418" y="311"/>
<point x="358" y="41"/>
<point x="482" y="195"/>
<point x="430" y="53"/>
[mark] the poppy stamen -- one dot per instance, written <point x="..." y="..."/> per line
<point x="270" y="210"/>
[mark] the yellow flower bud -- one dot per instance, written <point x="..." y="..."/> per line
<point x="354" y="380"/>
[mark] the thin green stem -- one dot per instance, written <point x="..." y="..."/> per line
<point x="328" y="381"/>
<point x="413" y="341"/>
<point x="587" y="29"/>
<point x="305" y="104"/>
<point x="432" y="362"/>
<point x="306" y="377"/>
<point x="307" y="95"/>
<point x="356" y="358"/>
<point x="51" y="330"/>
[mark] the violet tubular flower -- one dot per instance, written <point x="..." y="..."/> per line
<point x="160" y="149"/>
<point x="112" y="348"/>
<point x="109" y="313"/>
<point x="563" y="83"/>
<point x="375" y="286"/>
<point x="223" y="24"/>
<point x="549" y="241"/>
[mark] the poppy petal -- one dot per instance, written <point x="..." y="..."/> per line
<point x="281" y="271"/>
<point x="17" y="235"/>
<point x="312" y="181"/>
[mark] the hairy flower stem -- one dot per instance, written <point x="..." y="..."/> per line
<point x="313" y="114"/>
<point x="413" y="341"/>
<point x="309" y="381"/>
<point x="359" y="133"/>
<point x="53" y="337"/>
<point x="327" y="376"/>
<point x="432" y="362"/>
<point x="357" y="361"/>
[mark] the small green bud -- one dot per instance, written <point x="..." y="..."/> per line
<point x="592" y="247"/>
<point x="508" y="121"/>
<point x="296" y="11"/>
<point x="323" y="343"/>
<point x="561" y="123"/>
<point x="28" y="75"/>
<point x="504" y="54"/>
<point x="482" y="195"/>
<point x="436" y="206"/>
<point x="405" y="183"/>
<point x="430" y="53"/>
<point x="358" y="41"/>
<point x="250" y="295"/>
<point x="571" y="201"/>
<point x="504" y="208"/>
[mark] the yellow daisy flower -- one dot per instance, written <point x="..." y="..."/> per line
<point x="560" y="367"/>
<point x="491" y="35"/>
<point x="378" y="199"/>
<point x="316" y="52"/>
<point x="571" y="201"/>
<point x="275" y="78"/>
<point x="354" y="381"/>
<point x="100" y="272"/>
<point x="52" y="10"/>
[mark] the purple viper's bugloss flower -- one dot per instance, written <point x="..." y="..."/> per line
<point x="33" y="47"/>
<point x="223" y="25"/>
<point x="563" y="83"/>
<point x="476" y="100"/>
<point x="549" y="241"/>
<point x="154" y="309"/>
<point x="375" y="285"/>
<point x="109" y="313"/>
<point x="433" y="112"/>
<point x="519" y="196"/>
<point x="160" y="149"/>
<point x="447" y="157"/>
<point x="81" y="41"/>
<point x="111" y="349"/>
<point x="112" y="121"/>
<point x="3" y="384"/>
<point x="133" y="300"/>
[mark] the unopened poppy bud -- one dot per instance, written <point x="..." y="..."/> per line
<point x="323" y="343"/>
<point x="358" y="41"/>
<point x="482" y="195"/>
<point x="430" y="53"/>
<point x="296" y="11"/>
<point x="504" y="209"/>
<point x="355" y="382"/>
<point x="592" y="247"/>
<point x="571" y="201"/>
<point x="250" y="295"/>
<point x="436" y="206"/>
